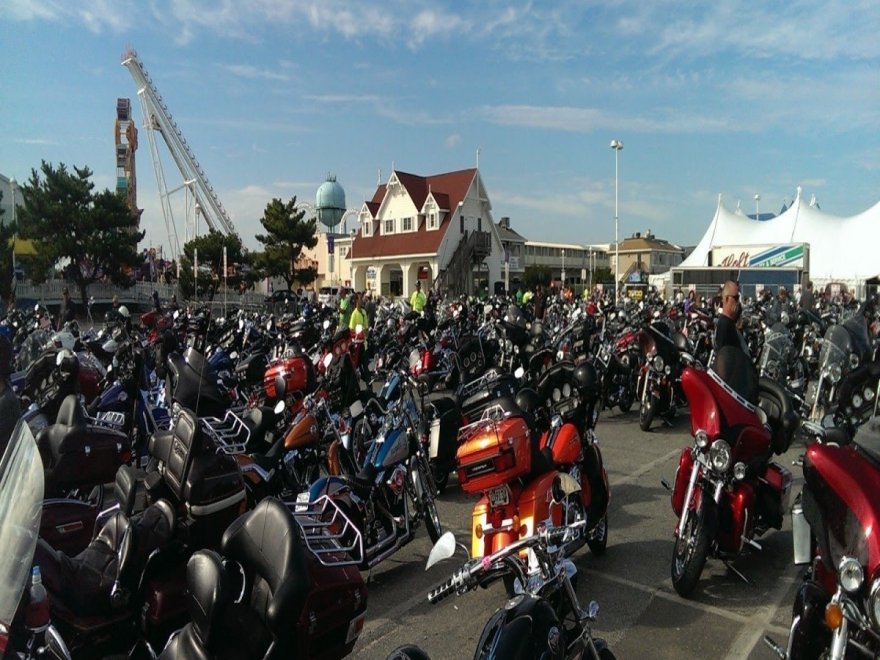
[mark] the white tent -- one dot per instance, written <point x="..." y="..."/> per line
<point x="841" y="249"/>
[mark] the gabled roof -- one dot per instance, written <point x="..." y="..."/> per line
<point x="647" y="243"/>
<point x="448" y="190"/>
<point x="509" y="235"/>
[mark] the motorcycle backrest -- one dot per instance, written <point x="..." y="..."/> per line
<point x="266" y="542"/>
<point x="186" y="441"/>
<point x="783" y="421"/>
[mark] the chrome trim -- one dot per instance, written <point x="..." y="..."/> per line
<point x="214" y="507"/>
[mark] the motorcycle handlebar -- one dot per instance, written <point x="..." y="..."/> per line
<point x="442" y="591"/>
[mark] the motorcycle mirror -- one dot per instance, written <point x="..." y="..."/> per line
<point x="328" y="359"/>
<point x="519" y="373"/>
<point x="444" y="548"/>
<point x="279" y="407"/>
<point x="356" y="408"/>
<point x="563" y="486"/>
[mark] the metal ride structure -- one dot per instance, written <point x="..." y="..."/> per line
<point x="200" y="193"/>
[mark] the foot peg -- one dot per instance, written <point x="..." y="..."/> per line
<point x="753" y="543"/>
<point x="778" y="650"/>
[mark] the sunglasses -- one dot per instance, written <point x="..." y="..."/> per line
<point x="736" y="297"/>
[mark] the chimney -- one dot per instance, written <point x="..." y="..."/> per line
<point x="638" y="234"/>
<point x="505" y="222"/>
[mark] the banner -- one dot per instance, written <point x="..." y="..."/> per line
<point x="760" y="256"/>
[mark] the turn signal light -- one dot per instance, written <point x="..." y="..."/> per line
<point x="833" y="616"/>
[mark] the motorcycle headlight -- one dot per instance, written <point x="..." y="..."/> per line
<point x="869" y="394"/>
<point x="857" y="401"/>
<point x="874" y="604"/>
<point x="701" y="438"/>
<point x="659" y="363"/>
<point x="834" y="373"/>
<point x="668" y="370"/>
<point x="853" y="361"/>
<point x="850" y="574"/>
<point x="719" y="455"/>
<point x="739" y="471"/>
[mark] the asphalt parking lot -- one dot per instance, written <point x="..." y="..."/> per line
<point x="640" y="615"/>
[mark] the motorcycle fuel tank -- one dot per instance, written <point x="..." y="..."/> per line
<point x="303" y="433"/>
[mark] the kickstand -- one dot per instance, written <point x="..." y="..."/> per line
<point x="736" y="572"/>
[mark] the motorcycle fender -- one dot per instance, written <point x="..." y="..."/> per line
<point x="682" y="475"/>
<point x="333" y="487"/>
<point x="535" y="506"/>
<point x="741" y="503"/>
<point x="522" y="628"/>
<point x="565" y="446"/>
<point x="810" y="635"/>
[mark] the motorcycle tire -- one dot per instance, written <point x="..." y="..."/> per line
<point x="597" y="539"/>
<point x="626" y="402"/>
<point x="441" y="478"/>
<point x="646" y="414"/>
<point x="692" y="548"/>
<point x="428" y="505"/>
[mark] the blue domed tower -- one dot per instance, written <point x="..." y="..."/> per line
<point x="330" y="202"/>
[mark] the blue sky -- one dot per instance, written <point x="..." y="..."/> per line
<point x="726" y="97"/>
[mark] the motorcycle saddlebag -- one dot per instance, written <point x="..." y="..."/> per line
<point x="297" y="372"/>
<point x="334" y="613"/>
<point x="492" y="453"/>
<point x="251" y="369"/>
<point x="215" y="496"/>
<point x="91" y="458"/>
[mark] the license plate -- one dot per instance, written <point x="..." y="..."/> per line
<point x="499" y="496"/>
<point x="355" y="628"/>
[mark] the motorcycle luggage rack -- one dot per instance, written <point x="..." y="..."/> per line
<point x="490" y="417"/>
<point x="230" y="434"/>
<point x="478" y="384"/>
<point x="110" y="420"/>
<point x="328" y="532"/>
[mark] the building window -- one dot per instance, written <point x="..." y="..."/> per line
<point x="461" y="224"/>
<point x="389" y="227"/>
<point x="432" y="220"/>
<point x="367" y="228"/>
<point x="407" y="224"/>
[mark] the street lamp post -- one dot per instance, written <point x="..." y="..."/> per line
<point x="563" y="267"/>
<point x="12" y="184"/>
<point x="617" y="145"/>
<point x="757" y="210"/>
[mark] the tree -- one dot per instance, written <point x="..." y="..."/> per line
<point x="287" y="233"/>
<point x="91" y="235"/>
<point x="536" y="274"/>
<point x="210" y="253"/>
<point x="7" y="234"/>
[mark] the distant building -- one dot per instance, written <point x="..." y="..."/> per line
<point x="577" y="262"/>
<point x="10" y="192"/>
<point x="514" y="245"/>
<point x="436" y="229"/>
<point x="645" y="254"/>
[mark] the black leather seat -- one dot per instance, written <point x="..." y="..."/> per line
<point x="266" y="544"/>
<point x="783" y="420"/>
<point x="209" y="595"/>
<point x="115" y="557"/>
<point x="66" y="436"/>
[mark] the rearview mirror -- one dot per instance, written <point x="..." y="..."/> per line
<point x="279" y="407"/>
<point x="328" y="359"/>
<point x="356" y="408"/>
<point x="444" y="548"/>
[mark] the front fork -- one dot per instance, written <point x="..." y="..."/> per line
<point x="840" y="636"/>
<point x="692" y="484"/>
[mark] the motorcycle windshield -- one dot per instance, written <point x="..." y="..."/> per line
<point x="776" y="350"/>
<point x="835" y="349"/>
<point x="21" y="504"/>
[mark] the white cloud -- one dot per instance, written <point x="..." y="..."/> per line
<point x="252" y="72"/>
<point x="452" y="140"/>
<point x="39" y="141"/>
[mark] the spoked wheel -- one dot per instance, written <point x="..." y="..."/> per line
<point x="692" y="548"/>
<point x="441" y="477"/>
<point x="428" y="503"/>
<point x="597" y="538"/>
<point x="361" y="441"/>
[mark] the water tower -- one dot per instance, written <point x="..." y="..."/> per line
<point x="330" y="203"/>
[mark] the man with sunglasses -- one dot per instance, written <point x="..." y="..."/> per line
<point x="726" y="333"/>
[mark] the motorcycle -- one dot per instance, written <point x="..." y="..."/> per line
<point x="726" y="490"/>
<point x="265" y="595"/>
<point x="26" y="629"/>
<point x="511" y="455"/>
<point x="660" y="375"/>
<point x="394" y="490"/>
<point x="544" y="618"/>
<point x="836" y="612"/>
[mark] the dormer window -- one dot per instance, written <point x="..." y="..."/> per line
<point x="367" y="228"/>
<point x="407" y="224"/>
<point x="433" y="220"/>
<point x="388" y="227"/>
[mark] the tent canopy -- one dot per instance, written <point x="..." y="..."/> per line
<point x="842" y="249"/>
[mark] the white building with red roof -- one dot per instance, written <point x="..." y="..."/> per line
<point x="434" y="229"/>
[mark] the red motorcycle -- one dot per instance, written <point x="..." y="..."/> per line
<point x="836" y="611"/>
<point x="727" y="492"/>
<point x="512" y="458"/>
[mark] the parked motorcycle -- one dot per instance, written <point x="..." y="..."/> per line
<point x="394" y="490"/>
<point x="511" y="455"/>
<point x="545" y="618"/>
<point x="26" y="629"/>
<point x="836" y="612"/>
<point x="726" y="490"/>
<point x="660" y="376"/>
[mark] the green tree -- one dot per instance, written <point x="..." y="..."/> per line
<point x="90" y="235"/>
<point x="287" y="233"/>
<point x="536" y="274"/>
<point x="210" y="267"/>
<point x="7" y="234"/>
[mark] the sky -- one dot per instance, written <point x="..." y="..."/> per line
<point x="723" y="97"/>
